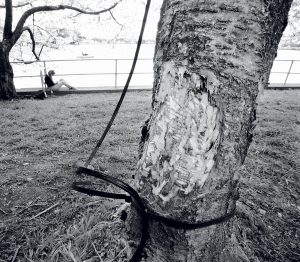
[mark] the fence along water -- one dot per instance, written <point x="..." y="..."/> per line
<point x="108" y="74"/>
<point x="85" y="74"/>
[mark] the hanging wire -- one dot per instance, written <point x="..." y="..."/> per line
<point x="99" y="143"/>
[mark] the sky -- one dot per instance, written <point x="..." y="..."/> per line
<point x="128" y="15"/>
<point x="91" y="29"/>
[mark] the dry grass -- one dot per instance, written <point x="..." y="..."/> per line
<point x="41" y="140"/>
<point x="269" y="225"/>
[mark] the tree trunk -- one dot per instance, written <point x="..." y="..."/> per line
<point x="7" y="87"/>
<point x="211" y="60"/>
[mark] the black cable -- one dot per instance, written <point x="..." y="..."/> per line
<point x="99" y="143"/>
<point x="133" y="198"/>
<point x="145" y="212"/>
<point x="79" y="186"/>
<point x="187" y="225"/>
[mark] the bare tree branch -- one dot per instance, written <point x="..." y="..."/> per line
<point x="16" y="6"/>
<point x="7" y="32"/>
<point x="18" y="30"/>
<point x="112" y="16"/>
<point x="26" y="28"/>
<point x="43" y="29"/>
<point x="24" y="62"/>
<point x="41" y="50"/>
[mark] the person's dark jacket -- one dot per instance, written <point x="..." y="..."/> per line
<point x="49" y="82"/>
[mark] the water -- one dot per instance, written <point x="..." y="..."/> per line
<point x="286" y="61"/>
<point x="87" y="74"/>
<point x="100" y="73"/>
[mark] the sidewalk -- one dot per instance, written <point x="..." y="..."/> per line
<point x="86" y="91"/>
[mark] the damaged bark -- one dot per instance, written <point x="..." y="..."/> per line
<point x="212" y="58"/>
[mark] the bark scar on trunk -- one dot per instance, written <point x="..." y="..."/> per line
<point x="184" y="134"/>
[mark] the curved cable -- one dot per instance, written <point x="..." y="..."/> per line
<point x="145" y="212"/>
<point x="99" y="143"/>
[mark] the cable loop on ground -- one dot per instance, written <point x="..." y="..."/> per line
<point x="133" y="197"/>
<point x="145" y="212"/>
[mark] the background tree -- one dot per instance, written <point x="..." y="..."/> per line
<point x="291" y="37"/>
<point x="212" y="58"/>
<point x="11" y="36"/>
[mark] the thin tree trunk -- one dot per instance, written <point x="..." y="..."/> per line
<point x="10" y="37"/>
<point x="7" y="87"/>
<point x="211" y="60"/>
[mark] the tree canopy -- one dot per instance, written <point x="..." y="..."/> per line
<point x="36" y="18"/>
<point x="117" y="25"/>
<point x="291" y="36"/>
<point x="14" y="27"/>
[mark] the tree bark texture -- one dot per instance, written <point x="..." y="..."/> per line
<point x="7" y="87"/>
<point x="211" y="60"/>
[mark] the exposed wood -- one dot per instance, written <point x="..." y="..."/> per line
<point x="211" y="60"/>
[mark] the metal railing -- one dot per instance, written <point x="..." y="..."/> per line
<point x="93" y="73"/>
<point x="83" y="69"/>
<point x="285" y="73"/>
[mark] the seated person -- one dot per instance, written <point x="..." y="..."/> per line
<point x="58" y="85"/>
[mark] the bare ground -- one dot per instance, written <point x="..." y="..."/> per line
<point x="42" y="219"/>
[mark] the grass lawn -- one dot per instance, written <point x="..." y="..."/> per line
<point x="42" y="219"/>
